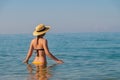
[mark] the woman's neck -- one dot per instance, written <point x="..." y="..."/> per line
<point x="39" y="37"/>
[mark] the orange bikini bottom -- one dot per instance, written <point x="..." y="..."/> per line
<point x="34" y="62"/>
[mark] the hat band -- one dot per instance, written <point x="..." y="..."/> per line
<point x="41" y="30"/>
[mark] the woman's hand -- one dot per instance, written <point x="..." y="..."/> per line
<point x="25" y="61"/>
<point x="59" y="61"/>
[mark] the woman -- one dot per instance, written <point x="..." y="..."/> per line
<point x="40" y="45"/>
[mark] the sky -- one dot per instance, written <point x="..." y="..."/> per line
<point x="64" y="16"/>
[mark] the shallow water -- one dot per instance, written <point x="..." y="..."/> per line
<point x="87" y="56"/>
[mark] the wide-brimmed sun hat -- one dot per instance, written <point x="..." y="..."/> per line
<point x="41" y="29"/>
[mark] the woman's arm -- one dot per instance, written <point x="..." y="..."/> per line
<point x="47" y="52"/>
<point x="29" y="54"/>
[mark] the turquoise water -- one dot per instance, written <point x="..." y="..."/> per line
<point x="87" y="56"/>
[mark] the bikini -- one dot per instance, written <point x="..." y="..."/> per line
<point x="39" y="49"/>
<point x="35" y="62"/>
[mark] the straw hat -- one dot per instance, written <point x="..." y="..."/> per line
<point x="41" y="29"/>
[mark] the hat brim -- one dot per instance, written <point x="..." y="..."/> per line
<point x="35" y="33"/>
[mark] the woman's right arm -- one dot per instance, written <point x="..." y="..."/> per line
<point x="29" y="54"/>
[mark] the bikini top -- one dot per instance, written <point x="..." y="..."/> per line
<point x="38" y="50"/>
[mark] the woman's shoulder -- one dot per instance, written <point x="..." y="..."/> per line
<point x="44" y="39"/>
<point x="33" y="40"/>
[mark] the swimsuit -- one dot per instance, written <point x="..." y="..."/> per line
<point x="39" y="49"/>
<point x="36" y="62"/>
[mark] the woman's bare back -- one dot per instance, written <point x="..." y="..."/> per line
<point x="40" y="53"/>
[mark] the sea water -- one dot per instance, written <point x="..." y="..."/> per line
<point x="86" y="56"/>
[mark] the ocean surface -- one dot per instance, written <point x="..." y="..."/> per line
<point x="86" y="56"/>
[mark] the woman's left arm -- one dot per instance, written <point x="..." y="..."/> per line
<point x="49" y="54"/>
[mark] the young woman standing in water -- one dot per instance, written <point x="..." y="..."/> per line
<point x="40" y="45"/>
